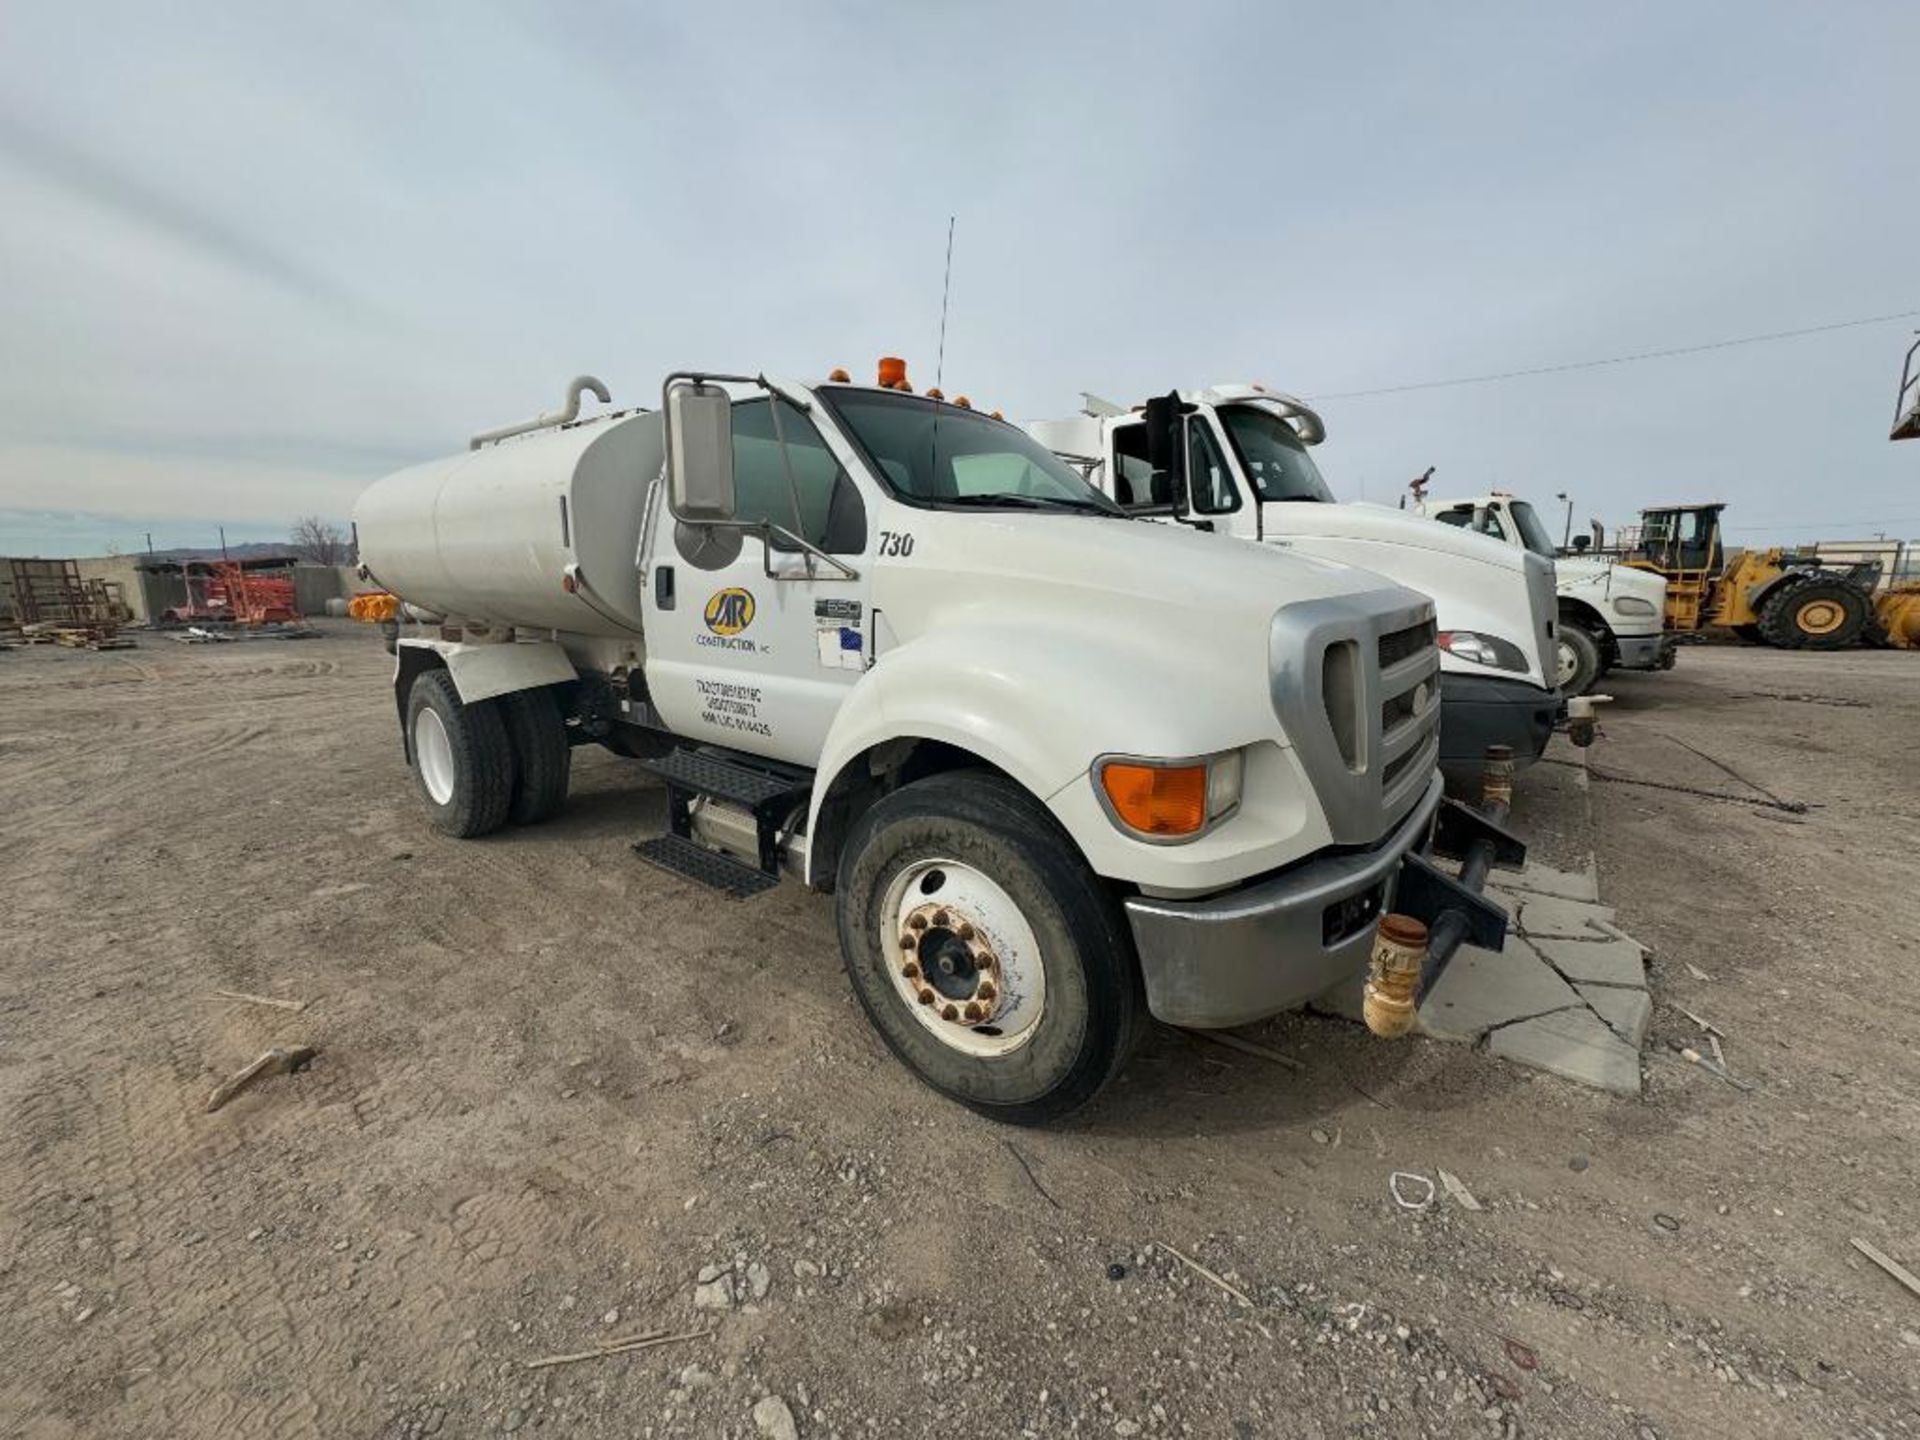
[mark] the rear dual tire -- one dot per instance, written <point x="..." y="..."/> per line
<point x="479" y="766"/>
<point x="998" y="893"/>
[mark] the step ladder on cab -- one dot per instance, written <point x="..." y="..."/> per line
<point x="713" y="796"/>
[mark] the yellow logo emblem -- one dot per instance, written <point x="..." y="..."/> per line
<point x="729" y="611"/>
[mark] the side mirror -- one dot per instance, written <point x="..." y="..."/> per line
<point x="700" y="453"/>
<point x="1582" y="543"/>
<point x="1481" y="515"/>
<point x="1167" y="451"/>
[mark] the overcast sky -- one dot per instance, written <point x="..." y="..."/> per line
<point x="253" y="256"/>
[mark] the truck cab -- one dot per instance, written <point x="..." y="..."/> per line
<point x="1609" y="616"/>
<point x="1234" y="461"/>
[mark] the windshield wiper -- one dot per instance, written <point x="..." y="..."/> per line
<point x="1029" y="502"/>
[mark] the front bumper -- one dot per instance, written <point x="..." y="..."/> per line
<point x="1477" y="711"/>
<point x="1644" y="652"/>
<point x="1275" y="944"/>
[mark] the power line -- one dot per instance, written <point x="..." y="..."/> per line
<point x="1623" y="359"/>
<point x="1810" y="524"/>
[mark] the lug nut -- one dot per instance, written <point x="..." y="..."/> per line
<point x="976" y="1012"/>
<point x="926" y="996"/>
<point x="942" y="919"/>
<point x="916" y="922"/>
<point x="909" y="941"/>
<point x="950" y="1012"/>
<point x="985" y="990"/>
<point x="965" y="932"/>
<point x="910" y="970"/>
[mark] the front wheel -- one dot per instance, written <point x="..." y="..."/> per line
<point x="1815" y="614"/>
<point x="983" y="949"/>
<point x="1579" y="659"/>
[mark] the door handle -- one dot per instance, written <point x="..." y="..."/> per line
<point x="663" y="587"/>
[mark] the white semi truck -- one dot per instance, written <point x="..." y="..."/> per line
<point x="1610" y="616"/>
<point x="1060" y="769"/>
<point x="1233" y="460"/>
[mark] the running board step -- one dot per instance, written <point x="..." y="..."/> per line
<point x="724" y="779"/>
<point x="770" y="796"/>
<point x="681" y="856"/>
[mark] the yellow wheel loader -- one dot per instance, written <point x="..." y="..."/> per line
<point x="1769" y="597"/>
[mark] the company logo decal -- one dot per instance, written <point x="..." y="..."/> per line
<point x="729" y="611"/>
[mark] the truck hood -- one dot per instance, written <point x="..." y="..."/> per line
<point x="1590" y="573"/>
<point x="1380" y="525"/>
<point x="1068" y="592"/>
<point x="1168" y="567"/>
<point x="1476" y="582"/>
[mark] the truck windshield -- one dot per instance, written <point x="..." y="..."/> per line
<point x="932" y="453"/>
<point x="1275" y="460"/>
<point x="1533" y="534"/>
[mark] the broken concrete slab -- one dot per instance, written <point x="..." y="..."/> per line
<point x="1538" y="879"/>
<point x="1628" y="1010"/>
<point x="1574" y="1044"/>
<point x="1604" y="960"/>
<point x="1551" y="915"/>
<point x="1485" y="988"/>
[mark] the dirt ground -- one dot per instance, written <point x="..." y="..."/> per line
<point x="558" y="1093"/>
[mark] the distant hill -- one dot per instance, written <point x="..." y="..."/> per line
<point x="252" y="550"/>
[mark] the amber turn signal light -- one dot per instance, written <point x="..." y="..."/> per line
<point x="837" y="376"/>
<point x="1157" y="799"/>
<point x="893" y="373"/>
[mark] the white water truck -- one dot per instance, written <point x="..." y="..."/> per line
<point x="1233" y="460"/>
<point x="1611" y="617"/>
<point x="1059" y="769"/>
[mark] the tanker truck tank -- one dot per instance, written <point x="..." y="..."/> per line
<point x="540" y="531"/>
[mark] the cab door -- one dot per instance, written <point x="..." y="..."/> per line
<point x="754" y="644"/>
<point x="1207" y="497"/>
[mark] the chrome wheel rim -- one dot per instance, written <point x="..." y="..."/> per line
<point x="433" y="754"/>
<point x="964" y="961"/>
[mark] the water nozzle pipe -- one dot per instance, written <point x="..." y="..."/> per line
<point x="1583" y="721"/>
<point x="1390" y="1001"/>
<point x="1496" y="783"/>
<point x="580" y="385"/>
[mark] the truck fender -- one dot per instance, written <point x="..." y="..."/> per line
<point x="1587" y="617"/>
<point x="885" y="714"/>
<point x="480" y="672"/>
<point x="1756" y="595"/>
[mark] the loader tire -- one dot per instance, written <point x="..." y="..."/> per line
<point x="1814" y="615"/>
<point x="462" y="759"/>
<point x="542" y="759"/>
<point x="986" y="885"/>
<point x="1579" y="659"/>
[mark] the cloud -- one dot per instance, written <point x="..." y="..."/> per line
<point x="125" y="196"/>
<point x="256" y="256"/>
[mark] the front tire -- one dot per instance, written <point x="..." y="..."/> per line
<point x="462" y="760"/>
<point x="1814" y="615"/>
<point x="1579" y="660"/>
<point x="985" y="952"/>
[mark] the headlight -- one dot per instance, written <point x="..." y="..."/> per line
<point x="1633" y="605"/>
<point x="1483" y="649"/>
<point x="1166" y="800"/>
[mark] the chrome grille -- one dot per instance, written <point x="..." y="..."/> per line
<point x="1356" y="683"/>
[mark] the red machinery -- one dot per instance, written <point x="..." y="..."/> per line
<point x="250" y="597"/>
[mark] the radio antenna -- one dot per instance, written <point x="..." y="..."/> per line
<point x="946" y="290"/>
